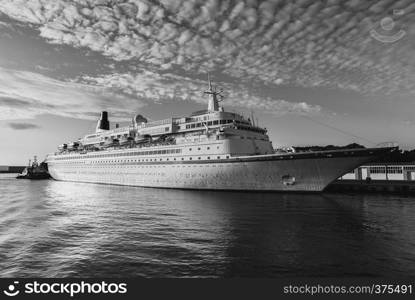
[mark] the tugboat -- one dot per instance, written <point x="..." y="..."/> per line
<point x="35" y="171"/>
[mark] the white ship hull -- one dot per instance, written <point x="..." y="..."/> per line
<point x="210" y="149"/>
<point x="308" y="172"/>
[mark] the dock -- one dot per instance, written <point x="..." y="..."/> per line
<point x="11" y="169"/>
<point x="373" y="186"/>
<point x="386" y="177"/>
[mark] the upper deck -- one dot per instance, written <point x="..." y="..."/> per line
<point x="179" y="125"/>
<point x="213" y="121"/>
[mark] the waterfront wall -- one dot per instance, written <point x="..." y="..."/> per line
<point x="11" y="169"/>
<point x="373" y="186"/>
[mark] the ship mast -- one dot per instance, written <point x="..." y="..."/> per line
<point x="35" y="164"/>
<point x="213" y="104"/>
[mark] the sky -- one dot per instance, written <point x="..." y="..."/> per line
<point x="314" y="72"/>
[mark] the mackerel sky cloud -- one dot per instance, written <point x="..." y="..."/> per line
<point x="306" y="43"/>
<point x="317" y="58"/>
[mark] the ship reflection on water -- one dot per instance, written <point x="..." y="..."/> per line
<point x="61" y="229"/>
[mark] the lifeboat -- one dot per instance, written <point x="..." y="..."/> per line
<point x="110" y="143"/>
<point x="141" y="139"/>
<point x="161" y="138"/>
<point x="62" y="147"/>
<point x="164" y="138"/>
<point x="126" y="141"/>
<point x="73" y="146"/>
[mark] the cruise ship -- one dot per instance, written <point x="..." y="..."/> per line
<point x="210" y="149"/>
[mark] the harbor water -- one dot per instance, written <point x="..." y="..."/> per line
<point x="64" y="229"/>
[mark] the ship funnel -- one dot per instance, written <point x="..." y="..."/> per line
<point x="103" y="123"/>
<point x="138" y="119"/>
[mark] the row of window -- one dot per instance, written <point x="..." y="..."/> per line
<point x="258" y="130"/>
<point x="209" y="123"/>
<point x="382" y="170"/>
<point x="217" y="122"/>
<point x="180" y="166"/>
<point x="205" y="118"/>
<point x="207" y="148"/>
<point x="391" y="169"/>
<point x="154" y="152"/>
<point x="377" y="170"/>
<point x="140" y="160"/>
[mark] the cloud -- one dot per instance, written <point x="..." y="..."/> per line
<point x="171" y="87"/>
<point x="23" y="126"/>
<point x="5" y="25"/>
<point x="295" y="43"/>
<point x="408" y="123"/>
<point x="25" y="94"/>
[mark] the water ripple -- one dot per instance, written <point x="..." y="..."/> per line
<point x="63" y="229"/>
